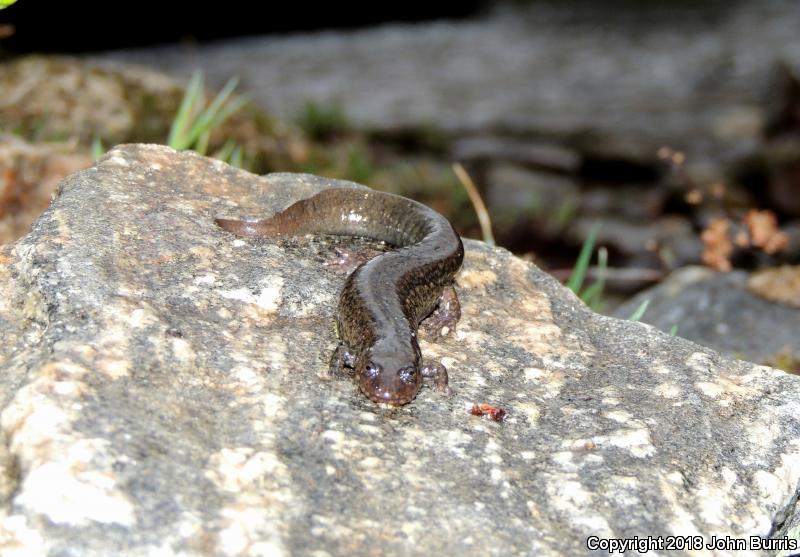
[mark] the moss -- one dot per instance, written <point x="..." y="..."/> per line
<point x="323" y="122"/>
<point x="785" y="360"/>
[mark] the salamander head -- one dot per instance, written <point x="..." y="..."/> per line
<point x="389" y="379"/>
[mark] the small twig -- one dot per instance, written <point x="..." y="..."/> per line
<point x="475" y="197"/>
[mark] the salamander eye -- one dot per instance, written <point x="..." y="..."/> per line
<point x="373" y="370"/>
<point x="407" y="375"/>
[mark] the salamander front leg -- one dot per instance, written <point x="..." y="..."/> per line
<point x="342" y="361"/>
<point x="444" y="318"/>
<point x="438" y="373"/>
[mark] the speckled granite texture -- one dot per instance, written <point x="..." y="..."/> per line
<point x="164" y="392"/>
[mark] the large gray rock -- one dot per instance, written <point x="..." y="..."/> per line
<point x="717" y="310"/>
<point x="164" y="391"/>
<point x="688" y="74"/>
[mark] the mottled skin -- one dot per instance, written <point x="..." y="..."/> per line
<point x="385" y="299"/>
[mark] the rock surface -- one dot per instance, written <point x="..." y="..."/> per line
<point x="164" y="391"/>
<point x="717" y="310"/>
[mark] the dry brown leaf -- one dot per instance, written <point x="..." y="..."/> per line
<point x="718" y="246"/>
<point x="764" y="231"/>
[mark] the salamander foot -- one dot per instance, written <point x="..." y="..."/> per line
<point x="438" y="373"/>
<point x="342" y="362"/>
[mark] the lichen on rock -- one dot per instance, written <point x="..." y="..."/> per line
<point x="164" y="390"/>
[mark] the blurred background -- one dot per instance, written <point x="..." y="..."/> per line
<point x="661" y="140"/>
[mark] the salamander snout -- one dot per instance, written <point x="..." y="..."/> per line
<point x="390" y="384"/>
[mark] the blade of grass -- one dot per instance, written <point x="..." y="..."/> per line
<point x="564" y="213"/>
<point x="673" y="330"/>
<point x="637" y="315"/>
<point x="236" y="157"/>
<point x="235" y="105"/>
<point x="201" y="145"/>
<point x="193" y="124"/>
<point x="177" y="132"/>
<point x="214" y="114"/>
<point x="592" y="293"/>
<point x="97" y="147"/>
<point x="579" y="272"/>
<point x="475" y="197"/>
<point x="224" y="152"/>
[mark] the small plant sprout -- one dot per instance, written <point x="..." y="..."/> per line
<point x="194" y="122"/>
<point x="575" y="281"/>
<point x="591" y="295"/>
<point x="97" y="148"/>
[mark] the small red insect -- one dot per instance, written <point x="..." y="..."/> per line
<point x="494" y="413"/>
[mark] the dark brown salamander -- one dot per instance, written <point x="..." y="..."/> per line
<point x="384" y="300"/>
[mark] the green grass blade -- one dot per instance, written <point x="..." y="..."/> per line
<point x="637" y="315"/>
<point x="231" y="153"/>
<point x="224" y="153"/>
<point x="579" y="272"/>
<point x="564" y="213"/>
<point x="223" y="96"/>
<point x="227" y="111"/>
<point x="177" y="138"/>
<point x="591" y="295"/>
<point x="210" y="117"/>
<point x="97" y="148"/>
<point x="193" y="124"/>
<point x="235" y="105"/>
<point x="201" y="146"/>
<point x="236" y="157"/>
<point x="673" y="330"/>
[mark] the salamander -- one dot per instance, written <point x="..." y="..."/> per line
<point x="385" y="299"/>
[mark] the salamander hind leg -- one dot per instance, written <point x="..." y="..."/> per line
<point x="444" y="318"/>
<point x="438" y="373"/>
<point x="346" y="260"/>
